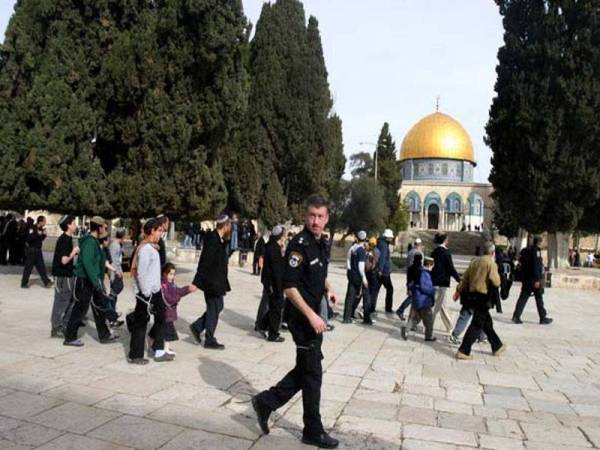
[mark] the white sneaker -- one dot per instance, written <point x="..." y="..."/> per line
<point x="453" y="339"/>
<point x="170" y="352"/>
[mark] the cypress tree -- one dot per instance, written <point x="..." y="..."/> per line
<point x="124" y="107"/>
<point x="289" y="131"/>
<point x="542" y="129"/>
<point x="388" y="168"/>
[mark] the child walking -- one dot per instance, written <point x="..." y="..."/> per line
<point x="171" y="295"/>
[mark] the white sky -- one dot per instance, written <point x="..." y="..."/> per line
<point x="389" y="59"/>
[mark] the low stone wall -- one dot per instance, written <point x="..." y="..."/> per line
<point x="576" y="280"/>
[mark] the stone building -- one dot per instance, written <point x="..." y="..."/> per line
<point x="438" y="162"/>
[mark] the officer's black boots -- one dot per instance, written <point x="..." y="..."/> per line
<point x="262" y="413"/>
<point x="323" y="440"/>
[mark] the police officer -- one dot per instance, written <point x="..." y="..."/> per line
<point x="533" y="278"/>
<point x="33" y="253"/>
<point x="305" y="283"/>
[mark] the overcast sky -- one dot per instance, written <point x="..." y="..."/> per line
<point x="389" y="59"/>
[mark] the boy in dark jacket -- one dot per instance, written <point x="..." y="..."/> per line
<point x="422" y="293"/>
<point x="211" y="277"/>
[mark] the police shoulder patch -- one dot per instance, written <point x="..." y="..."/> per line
<point x="295" y="259"/>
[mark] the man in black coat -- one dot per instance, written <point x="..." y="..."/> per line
<point x="443" y="269"/>
<point x="269" y="318"/>
<point x="33" y="253"/>
<point x="532" y="267"/>
<point x="211" y="277"/>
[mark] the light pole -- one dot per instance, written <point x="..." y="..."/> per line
<point x="374" y="145"/>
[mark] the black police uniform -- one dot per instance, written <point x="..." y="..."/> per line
<point x="306" y="270"/>
<point x="533" y="271"/>
<point x="34" y="256"/>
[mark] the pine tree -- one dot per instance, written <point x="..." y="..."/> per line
<point x="124" y="108"/>
<point x="388" y="168"/>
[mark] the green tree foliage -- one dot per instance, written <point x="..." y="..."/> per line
<point x="366" y="209"/>
<point x="340" y="197"/>
<point x="120" y="108"/>
<point x="290" y="133"/>
<point x="399" y="219"/>
<point x="388" y="168"/>
<point x="361" y="164"/>
<point x="543" y="127"/>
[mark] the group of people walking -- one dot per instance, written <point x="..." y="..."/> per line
<point x="296" y="291"/>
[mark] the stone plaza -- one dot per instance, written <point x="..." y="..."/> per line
<point x="379" y="392"/>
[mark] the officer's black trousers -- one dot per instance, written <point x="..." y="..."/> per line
<point x="482" y="321"/>
<point x="307" y="377"/>
<point x="34" y="257"/>
<point x="526" y="290"/>
<point x="82" y="296"/>
<point x="3" y="252"/>
<point x="386" y="281"/>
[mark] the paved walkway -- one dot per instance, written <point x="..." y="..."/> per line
<point x="379" y="391"/>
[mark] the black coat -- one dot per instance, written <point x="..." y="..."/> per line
<point x="443" y="267"/>
<point x="211" y="275"/>
<point x="273" y="268"/>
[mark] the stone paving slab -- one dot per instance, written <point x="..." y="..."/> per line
<point x="379" y="392"/>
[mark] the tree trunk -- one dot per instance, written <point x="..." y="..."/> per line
<point x="558" y="250"/>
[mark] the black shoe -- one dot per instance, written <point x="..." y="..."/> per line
<point x="195" y="334"/>
<point x="348" y="321"/>
<point x="262" y="414"/>
<point x="367" y="322"/>
<point x="431" y="339"/>
<point x="262" y="333"/>
<point x="330" y="327"/>
<point x="49" y="284"/>
<point x="138" y="361"/>
<point x="57" y="333"/>
<point x="403" y="333"/>
<point x="214" y="346"/>
<point x="284" y="326"/>
<point x="322" y="441"/>
<point x="82" y="324"/>
<point x="275" y="339"/>
<point x="400" y="315"/>
<point x="517" y="320"/>
<point x="75" y="343"/>
<point x="546" y="321"/>
<point x="110" y="339"/>
<point x="24" y="286"/>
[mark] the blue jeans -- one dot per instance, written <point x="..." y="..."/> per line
<point x="187" y="241"/>
<point x="463" y="320"/>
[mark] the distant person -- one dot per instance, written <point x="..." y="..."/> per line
<point x="384" y="270"/>
<point x="416" y="249"/>
<point x="33" y="253"/>
<point x="532" y="267"/>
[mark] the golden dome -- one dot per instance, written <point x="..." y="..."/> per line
<point x="437" y="136"/>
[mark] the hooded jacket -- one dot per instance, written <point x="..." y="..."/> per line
<point x="91" y="261"/>
<point x="422" y="291"/>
